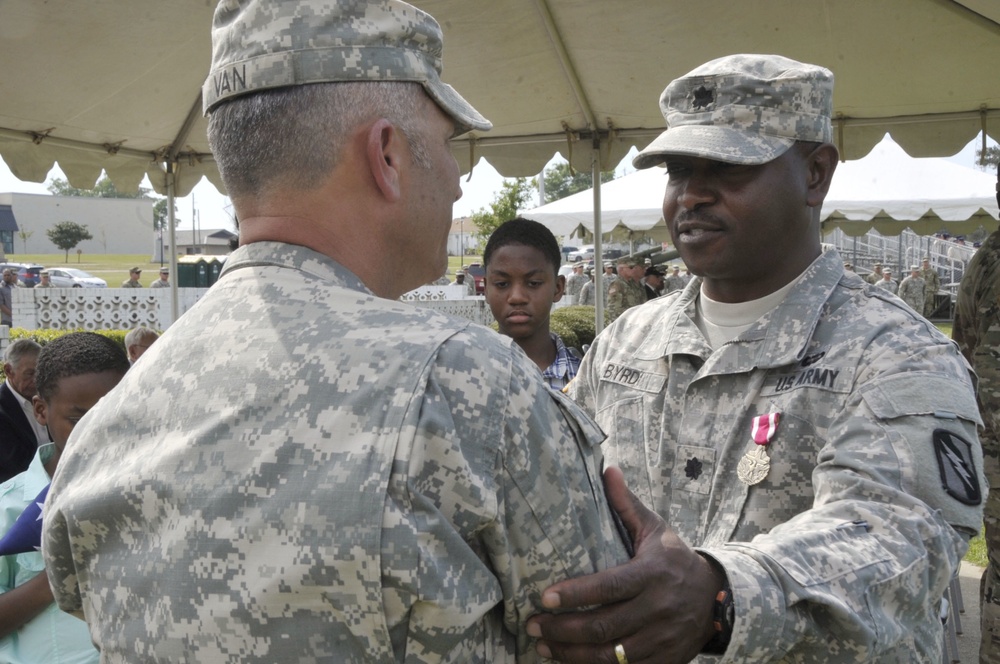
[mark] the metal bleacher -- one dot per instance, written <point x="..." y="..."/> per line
<point x="948" y="255"/>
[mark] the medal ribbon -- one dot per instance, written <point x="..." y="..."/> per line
<point x="764" y="427"/>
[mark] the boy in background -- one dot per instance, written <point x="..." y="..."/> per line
<point x="73" y="373"/>
<point x="522" y="261"/>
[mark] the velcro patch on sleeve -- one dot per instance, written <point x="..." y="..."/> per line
<point x="958" y="470"/>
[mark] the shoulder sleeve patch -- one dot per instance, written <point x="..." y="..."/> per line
<point x="958" y="471"/>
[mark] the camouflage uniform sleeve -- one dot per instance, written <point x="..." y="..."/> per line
<point x="542" y="456"/>
<point x="864" y="569"/>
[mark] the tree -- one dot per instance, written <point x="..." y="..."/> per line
<point x="160" y="211"/>
<point x="989" y="160"/>
<point x="513" y="194"/>
<point x="24" y="235"/>
<point x="561" y="181"/>
<point x="104" y="188"/>
<point x="68" y="234"/>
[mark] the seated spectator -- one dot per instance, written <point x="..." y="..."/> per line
<point x="74" y="372"/>
<point x="20" y="435"/>
<point x="138" y="341"/>
<point x="522" y="283"/>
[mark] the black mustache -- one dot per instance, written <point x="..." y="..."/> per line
<point x="699" y="215"/>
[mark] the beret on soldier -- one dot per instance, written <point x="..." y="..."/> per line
<point x="263" y="44"/>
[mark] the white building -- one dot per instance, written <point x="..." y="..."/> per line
<point x="462" y="234"/>
<point x="118" y="225"/>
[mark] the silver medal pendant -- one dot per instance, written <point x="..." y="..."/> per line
<point x="754" y="466"/>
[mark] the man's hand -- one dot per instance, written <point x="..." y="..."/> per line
<point x="21" y="604"/>
<point x="658" y="606"/>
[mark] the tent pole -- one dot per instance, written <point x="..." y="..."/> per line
<point x="595" y="173"/>
<point x="171" y="167"/>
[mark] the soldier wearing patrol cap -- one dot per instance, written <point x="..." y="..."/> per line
<point x="876" y="274"/>
<point x="306" y="469"/>
<point x="810" y="443"/>
<point x="133" y="278"/>
<point x="675" y="281"/>
<point x="626" y="291"/>
<point x="932" y="283"/>
<point x="911" y="290"/>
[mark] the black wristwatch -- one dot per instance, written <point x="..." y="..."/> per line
<point x="723" y="617"/>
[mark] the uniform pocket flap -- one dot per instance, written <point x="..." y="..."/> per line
<point x="920" y="394"/>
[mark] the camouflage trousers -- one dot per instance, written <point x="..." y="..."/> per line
<point x="989" y="587"/>
<point x="928" y="306"/>
<point x="989" y="605"/>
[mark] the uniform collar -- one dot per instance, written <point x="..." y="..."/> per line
<point x="779" y="337"/>
<point x="296" y="257"/>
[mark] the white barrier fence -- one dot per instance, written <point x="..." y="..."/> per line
<point x="97" y="308"/>
<point x="127" y="308"/>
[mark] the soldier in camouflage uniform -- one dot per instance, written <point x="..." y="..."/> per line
<point x="977" y="331"/>
<point x="811" y="438"/>
<point x="575" y="283"/>
<point x="303" y="468"/>
<point x="675" y="281"/>
<point x="626" y="291"/>
<point x="932" y="283"/>
<point x="610" y="276"/>
<point x="911" y="290"/>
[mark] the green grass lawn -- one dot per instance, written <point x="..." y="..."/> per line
<point x="977" y="551"/>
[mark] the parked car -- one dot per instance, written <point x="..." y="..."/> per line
<point x="478" y="273"/>
<point x="612" y="254"/>
<point x="566" y="251"/>
<point x="68" y="277"/>
<point x="584" y="253"/>
<point x="27" y="273"/>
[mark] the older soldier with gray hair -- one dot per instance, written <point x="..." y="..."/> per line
<point x="810" y="441"/>
<point x="307" y="469"/>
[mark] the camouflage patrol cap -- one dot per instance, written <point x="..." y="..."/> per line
<point x="263" y="44"/>
<point x="743" y="109"/>
<point x="632" y="261"/>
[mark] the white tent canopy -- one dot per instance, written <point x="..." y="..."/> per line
<point x="887" y="191"/>
<point x="115" y="84"/>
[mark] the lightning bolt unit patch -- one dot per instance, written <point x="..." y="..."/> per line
<point x="958" y="471"/>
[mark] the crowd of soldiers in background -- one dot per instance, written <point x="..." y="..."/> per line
<point x="639" y="282"/>
<point x="918" y="289"/>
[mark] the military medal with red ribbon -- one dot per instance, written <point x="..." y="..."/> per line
<point x="755" y="463"/>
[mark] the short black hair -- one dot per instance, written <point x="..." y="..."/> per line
<point x="76" y="354"/>
<point x="528" y="233"/>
